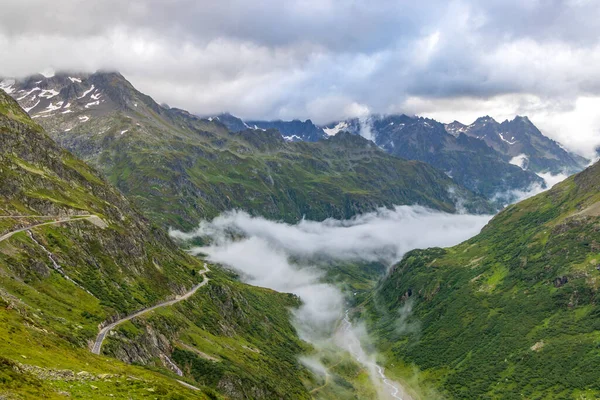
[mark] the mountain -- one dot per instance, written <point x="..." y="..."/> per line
<point x="231" y="122"/>
<point x="520" y="141"/>
<point x="292" y="130"/>
<point x="180" y="168"/>
<point x="511" y="313"/>
<point x="469" y="161"/>
<point x="75" y="255"/>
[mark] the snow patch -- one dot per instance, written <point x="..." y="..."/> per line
<point x="86" y="92"/>
<point x="68" y="129"/>
<point x="124" y="131"/>
<point x="96" y="95"/>
<point x="51" y="107"/>
<point x="292" y="138"/>
<point x="84" y="118"/>
<point x="74" y="79"/>
<point x="28" y="93"/>
<point x="7" y="86"/>
<point x="336" y="129"/>
<point x="507" y="141"/>
<point x="32" y="107"/>
<point x="93" y="103"/>
<point x="48" y="93"/>
<point x="67" y="111"/>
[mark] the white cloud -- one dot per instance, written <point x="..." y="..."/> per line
<point x="291" y="258"/>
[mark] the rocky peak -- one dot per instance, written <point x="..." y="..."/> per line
<point x="455" y="128"/>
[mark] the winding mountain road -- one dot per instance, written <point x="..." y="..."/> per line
<point x="58" y="221"/>
<point x="104" y="331"/>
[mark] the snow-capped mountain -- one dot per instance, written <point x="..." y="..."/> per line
<point x="486" y="156"/>
<point x="293" y="131"/>
<point x="520" y="139"/>
<point x="87" y="111"/>
<point x="85" y="96"/>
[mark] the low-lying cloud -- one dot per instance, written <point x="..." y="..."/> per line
<point x="517" y="195"/>
<point x="384" y="235"/>
<point x="292" y="258"/>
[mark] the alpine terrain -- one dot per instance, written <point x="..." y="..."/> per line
<point x="82" y="273"/>
<point x="179" y="168"/>
<point x="511" y="313"/>
<point x="490" y="158"/>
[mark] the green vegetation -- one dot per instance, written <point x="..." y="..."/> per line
<point x="180" y="169"/>
<point x="116" y="264"/>
<point x="511" y="313"/>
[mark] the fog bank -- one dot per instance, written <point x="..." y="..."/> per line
<point x="291" y="258"/>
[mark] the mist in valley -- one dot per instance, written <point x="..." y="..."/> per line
<point x="294" y="258"/>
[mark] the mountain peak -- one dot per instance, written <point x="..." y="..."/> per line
<point x="485" y="119"/>
<point x="524" y="119"/>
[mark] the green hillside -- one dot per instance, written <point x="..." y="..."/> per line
<point x="180" y="169"/>
<point x="511" y="313"/>
<point x="61" y="280"/>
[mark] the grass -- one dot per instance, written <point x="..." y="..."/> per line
<point x="485" y="307"/>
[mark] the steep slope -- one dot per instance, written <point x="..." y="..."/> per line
<point x="520" y="138"/>
<point x="75" y="255"/>
<point x="468" y="161"/>
<point x="512" y="312"/>
<point x="179" y="168"/>
<point x="294" y="131"/>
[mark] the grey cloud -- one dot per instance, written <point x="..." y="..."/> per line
<point x="321" y="59"/>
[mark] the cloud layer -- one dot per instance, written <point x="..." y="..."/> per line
<point x="330" y="59"/>
<point x="292" y="258"/>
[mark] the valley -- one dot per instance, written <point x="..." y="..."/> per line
<point x="300" y="200"/>
<point x="179" y="168"/>
<point x="303" y="238"/>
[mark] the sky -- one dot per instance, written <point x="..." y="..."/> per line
<point x="330" y="59"/>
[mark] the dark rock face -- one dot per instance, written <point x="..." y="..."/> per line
<point x="560" y="281"/>
<point x="521" y="137"/>
<point x="294" y="131"/>
<point x="468" y="160"/>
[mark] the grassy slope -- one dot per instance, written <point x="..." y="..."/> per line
<point x="180" y="169"/>
<point x="180" y="181"/>
<point x="47" y="322"/>
<point x="511" y="313"/>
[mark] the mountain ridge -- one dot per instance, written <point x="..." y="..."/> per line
<point x="483" y="160"/>
<point x="75" y="254"/>
<point x="180" y="168"/>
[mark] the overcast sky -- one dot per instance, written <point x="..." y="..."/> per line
<point x="330" y="59"/>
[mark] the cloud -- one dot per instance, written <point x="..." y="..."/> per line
<point x="294" y="258"/>
<point x="382" y="236"/>
<point x="515" y="196"/>
<point x="330" y="59"/>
